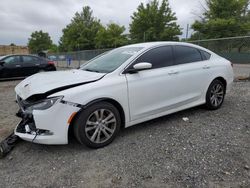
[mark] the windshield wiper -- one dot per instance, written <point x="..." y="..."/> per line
<point x="90" y="70"/>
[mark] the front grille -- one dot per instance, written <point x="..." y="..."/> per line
<point x="22" y="103"/>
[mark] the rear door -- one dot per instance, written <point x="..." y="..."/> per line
<point x="193" y="73"/>
<point x="30" y="65"/>
<point x="12" y="67"/>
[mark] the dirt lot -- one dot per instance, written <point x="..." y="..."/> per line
<point x="211" y="150"/>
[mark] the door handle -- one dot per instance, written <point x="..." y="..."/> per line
<point x="206" y="67"/>
<point x="173" y="72"/>
<point x="18" y="65"/>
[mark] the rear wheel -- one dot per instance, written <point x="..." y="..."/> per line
<point x="215" y="95"/>
<point x="50" y="68"/>
<point x="98" y="125"/>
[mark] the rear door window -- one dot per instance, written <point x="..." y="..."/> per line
<point x="185" y="54"/>
<point x="30" y="60"/>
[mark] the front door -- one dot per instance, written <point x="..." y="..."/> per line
<point x="152" y="91"/>
<point x="12" y="67"/>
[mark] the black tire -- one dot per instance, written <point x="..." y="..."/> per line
<point x="2" y="154"/>
<point x="41" y="70"/>
<point x="80" y="125"/>
<point x="49" y="68"/>
<point x="215" y="100"/>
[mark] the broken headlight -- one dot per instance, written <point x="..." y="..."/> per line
<point x="44" y="104"/>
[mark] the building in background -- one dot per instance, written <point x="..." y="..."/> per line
<point x="13" y="49"/>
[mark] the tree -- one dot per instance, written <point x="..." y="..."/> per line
<point x="53" y="49"/>
<point x="110" y="36"/>
<point x="81" y="32"/>
<point x="153" y="23"/>
<point x="39" y="41"/>
<point x="223" y="18"/>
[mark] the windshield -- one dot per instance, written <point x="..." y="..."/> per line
<point x="111" y="60"/>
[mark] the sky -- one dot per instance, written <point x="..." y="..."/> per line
<point x="19" y="18"/>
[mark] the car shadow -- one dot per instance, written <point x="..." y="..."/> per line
<point x="11" y="79"/>
<point x="74" y="147"/>
<point x="161" y="121"/>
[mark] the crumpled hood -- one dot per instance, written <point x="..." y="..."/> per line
<point x="47" y="81"/>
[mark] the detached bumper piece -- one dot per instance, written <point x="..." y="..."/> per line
<point x="8" y="144"/>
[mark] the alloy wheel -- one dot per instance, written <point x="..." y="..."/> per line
<point x="100" y="126"/>
<point x="217" y="95"/>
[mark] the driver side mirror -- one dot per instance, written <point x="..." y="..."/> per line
<point x="139" y="67"/>
<point x="142" y="66"/>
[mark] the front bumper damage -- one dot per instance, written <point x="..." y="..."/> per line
<point x="48" y="126"/>
<point x="27" y="126"/>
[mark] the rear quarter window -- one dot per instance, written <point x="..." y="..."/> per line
<point x="205" y="55"/>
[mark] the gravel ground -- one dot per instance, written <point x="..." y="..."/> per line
<point x="212" y="149"/>
<point x="8" y="108"/>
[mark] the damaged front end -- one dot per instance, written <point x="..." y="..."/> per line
<point x="45" y="119"/>
<point x="27" y="124"/>
<point x="45" y="116"/>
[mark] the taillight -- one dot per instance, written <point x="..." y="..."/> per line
<point x="51" y="62"/>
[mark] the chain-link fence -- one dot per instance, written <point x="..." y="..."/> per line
<point x="74" y="59"/>
<point x="235" y="49"/>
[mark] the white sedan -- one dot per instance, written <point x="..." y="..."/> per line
<point x="121" y="88"/>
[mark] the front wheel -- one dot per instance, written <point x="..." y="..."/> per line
<point x="215" y="95"/>
<point x="98" y="125"/>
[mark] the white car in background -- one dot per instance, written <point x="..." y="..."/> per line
<point x="121" y="88"/>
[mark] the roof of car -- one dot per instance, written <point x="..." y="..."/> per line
<point x="152" y="44"/>
<point x="19" y="55"/>
<point x="155" y="44"/>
